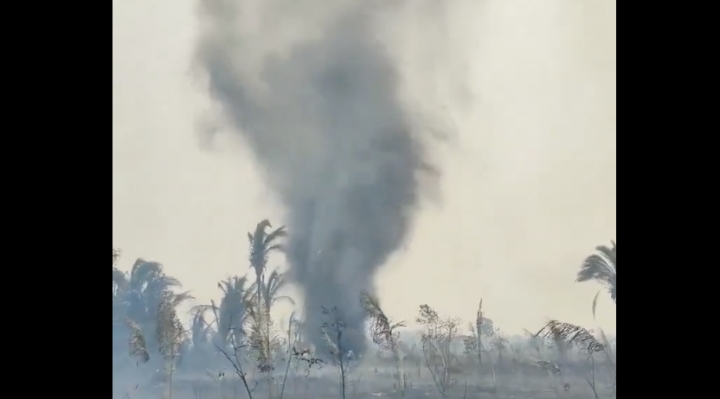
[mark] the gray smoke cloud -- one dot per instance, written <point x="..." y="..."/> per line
<point x="323" y="117"/>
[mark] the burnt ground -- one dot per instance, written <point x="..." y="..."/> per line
<point x="374" y="382"/>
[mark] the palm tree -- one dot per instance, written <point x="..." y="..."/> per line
<point x="200" y="328"/>
<point x="120" y="280"/>
<point x="120" y="286"/>
<point x="601" y="267"/>
<point x="261" y="245"/>
<point x="384" y="334"/>
<point x="119" y="310"/>
<point x="147" y="285"/>
<point x="232" y="312"/>
<point x="137" y="295"/>
<point x="271" y="287"/>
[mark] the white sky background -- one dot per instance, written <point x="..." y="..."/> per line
<point x="528" y="186"/>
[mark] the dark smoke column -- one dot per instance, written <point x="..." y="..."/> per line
<point x="326" y="125"/>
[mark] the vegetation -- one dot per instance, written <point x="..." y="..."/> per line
<point x="437" y="339"/>
<point x="602" y="268"/>
<point x="265" y="356"/>
<point x="385" y="334"/>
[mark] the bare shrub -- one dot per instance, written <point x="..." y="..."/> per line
<point x="437" y="339"/>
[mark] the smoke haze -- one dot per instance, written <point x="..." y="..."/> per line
<point x="524" y="89"/>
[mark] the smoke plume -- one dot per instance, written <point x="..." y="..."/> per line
<point x="314" y="93"/>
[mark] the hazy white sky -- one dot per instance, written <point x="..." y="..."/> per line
<point x="528" y="185"/>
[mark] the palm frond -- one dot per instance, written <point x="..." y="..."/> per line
<point x="164" y="282"/>
<point x="382" y="330"/>
<point x="200" y="327"/>
<point x="596" y="267"/>
<point x="571" y="334"/>
<point x="177" y="299"/>
<point x="601" y="267"/>
<point x="273" y="285"/>
<point x="201" y="309"/>
<point x="143" y="271"/>
<point x="609" y="253"/>
<point x="262" y="244"/>
<point x="330" y="343"/>
<point x="280" y="232"/>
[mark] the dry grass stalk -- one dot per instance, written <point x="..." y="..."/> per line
<point x="169" y="330"/>
<point x="138" y="346"/>
<point x="170" y="335"/>
<point x="478" y="331"/>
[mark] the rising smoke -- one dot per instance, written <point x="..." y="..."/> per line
<point x="323" y="117"/>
